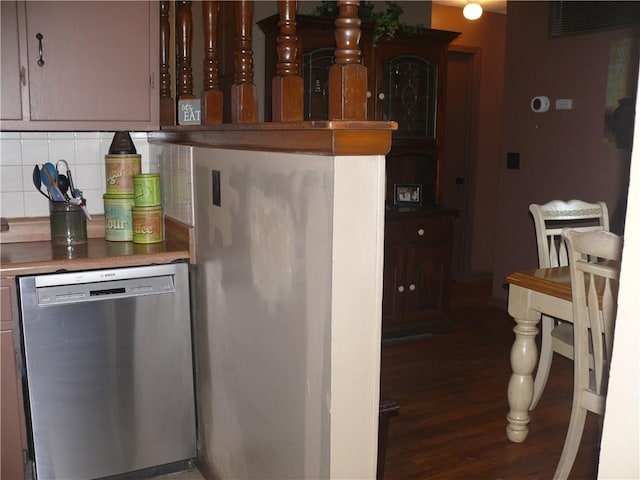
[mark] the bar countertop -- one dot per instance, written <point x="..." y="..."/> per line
<point x="19" y="256"/>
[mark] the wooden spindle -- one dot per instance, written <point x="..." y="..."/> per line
<point x="287" y="85"/>
<point x="347" y="77"/>
<point x="183" y="37"/>
<point x="244" y="103"/>
<point x="211" y="96"/>
<point x="167" y="104"/>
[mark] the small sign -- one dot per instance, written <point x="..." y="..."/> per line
<point x="189" y="112"/>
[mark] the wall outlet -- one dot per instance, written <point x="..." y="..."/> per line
<point x="564" y="104"/>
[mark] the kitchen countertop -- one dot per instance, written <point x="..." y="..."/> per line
<point x="41" y="256"/>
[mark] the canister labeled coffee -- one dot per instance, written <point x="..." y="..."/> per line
<point x="119" y="171"/>
<point x="148" y="224"/>
<point x="118" y="224"/>
<point x="146" y="188"/>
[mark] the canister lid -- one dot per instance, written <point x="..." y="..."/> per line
<point x="122" y="144"/>
<point x="146" y="175"/>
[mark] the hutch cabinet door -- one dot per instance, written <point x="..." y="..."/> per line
<point x="410" y="80"/>
<point x="407" y="93"/>
<point x="429" y="280"/>
<point x="394" y="284"/>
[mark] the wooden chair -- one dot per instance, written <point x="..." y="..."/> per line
<point x="594" y="262"/>
<point x="549" y="219"/>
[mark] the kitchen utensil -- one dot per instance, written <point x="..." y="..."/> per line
<point x="71" y="186"/>
<point x="63" y="184"/>
<point x="49" y="179"/>
<point x="37" y="181"/>
<point x="82" y="203"/>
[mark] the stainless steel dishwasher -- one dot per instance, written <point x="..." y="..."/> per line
<point x="109" y="371"/>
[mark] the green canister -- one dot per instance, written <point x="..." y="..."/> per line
<point x="118" y="224"/>
<point x="146" y="190"/>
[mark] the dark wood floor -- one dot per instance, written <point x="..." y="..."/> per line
<point x="452" y="394"/>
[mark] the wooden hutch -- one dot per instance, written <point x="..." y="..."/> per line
<point x="406" y="83"/>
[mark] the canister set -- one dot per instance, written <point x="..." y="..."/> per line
<point x="132" y="202"/>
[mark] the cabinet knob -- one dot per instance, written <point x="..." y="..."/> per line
<point x="381" y="96"/>
<point x="401" y="288"/>
<point x="421" y="232"/>
<point x="368" y="93"/>
<point x="412" y="287"/>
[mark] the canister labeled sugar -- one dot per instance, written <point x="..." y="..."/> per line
<point x="148" y="224"/>
<point x="118" y="224"/>
<point x="146" y="190"/>
<point x="119" y="171"/>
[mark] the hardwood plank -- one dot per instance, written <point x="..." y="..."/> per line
<point x="452" y="393"/>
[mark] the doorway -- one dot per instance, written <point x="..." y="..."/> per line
<point x="459" y="153"/>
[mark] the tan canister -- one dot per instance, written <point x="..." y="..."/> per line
<point x="146" y="190"/>
<point x="118" y="223"/>
<point x="148" y="224"/>
<point x="119" y="171"/>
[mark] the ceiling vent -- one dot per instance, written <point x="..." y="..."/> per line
<point x="570" y="17"/>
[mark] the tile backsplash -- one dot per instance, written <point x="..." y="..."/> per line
<point x="85" y="153"/>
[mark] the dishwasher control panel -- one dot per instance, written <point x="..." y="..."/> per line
<point x="86" y="292"/>
<point x="86" y="286"/>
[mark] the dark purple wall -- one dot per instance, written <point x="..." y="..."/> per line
<point x="563" y="154"/>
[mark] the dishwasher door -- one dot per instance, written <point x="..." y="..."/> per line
<point x="109" y="370"/>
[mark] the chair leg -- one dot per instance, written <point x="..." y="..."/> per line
<point x="572" y="441"/>
<point x="544" y="364"/>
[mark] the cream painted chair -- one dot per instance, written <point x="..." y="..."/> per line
<point x="549" y="219"/>
<point x="594" y="313"/>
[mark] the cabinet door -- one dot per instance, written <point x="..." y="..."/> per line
<point x="408" y="95"/>
<point x="12" y="424"/>
<point x="89" y="65"/>
<point x="11" y="103"/>
<point x="394" y="284"/>
<point x="428" y="279"/>
<point x="410" y="75"/>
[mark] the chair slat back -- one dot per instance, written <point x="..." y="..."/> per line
<point x="552" y="217"/>
<point x="594" y="263"/>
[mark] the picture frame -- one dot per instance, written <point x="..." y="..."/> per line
<point x="407" y="195"/>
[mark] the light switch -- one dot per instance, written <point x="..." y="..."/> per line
<point x="215" y="187"/>
<point x="513" y="160"/>
<point x="564" y="104"/>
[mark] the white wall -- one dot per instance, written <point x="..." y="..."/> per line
<point x="619" y="456"/>
<point x="288" y="309"/>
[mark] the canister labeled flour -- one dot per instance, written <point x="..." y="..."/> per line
<point x="118" y="224"/>
<point x="146" y="190"/>
<point x="148" y="224"/>
<point x="119" y="171"/>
